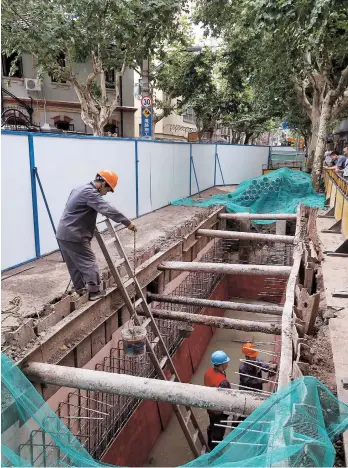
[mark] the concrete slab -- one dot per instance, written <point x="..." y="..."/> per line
<point x="335" y="276"/>
<point x="49" y="278"/>
<point x="171" y="448"/>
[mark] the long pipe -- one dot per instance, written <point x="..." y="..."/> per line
<point x="226" y="305"/>
<point x="218" y="322"/>
<point x="227" y="268"/>
<point x="146" y="389"/>
<point x="257" y="216"/>
<point x="245" y="236"/>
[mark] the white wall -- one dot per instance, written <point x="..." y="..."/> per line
<point x="64" y="163"/>
<point x="203" y="155"/>
<point x="164" y="174"/>
<point x="240" y="162"/>
<point x="17" y="225"/>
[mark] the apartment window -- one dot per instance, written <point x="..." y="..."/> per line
<point x="61" y="60"/>
<point x="62" y="125"/>
<point x="189" y="116"/>
<point x="110" y="78"/>
<point x="7" y="61"/>
<point x="111" y="128"/>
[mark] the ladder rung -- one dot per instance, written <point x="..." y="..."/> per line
<point x="128" y="282"/>
<point x="188" y="417"/>
<point x="138" y="302"/>
<point x="110" y="241"/>
<point x="146" y="322"/>
<point x="155" y="342"/>
<point x="163" y="361"/>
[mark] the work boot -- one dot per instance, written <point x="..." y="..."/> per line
<point x="94" y="296"/>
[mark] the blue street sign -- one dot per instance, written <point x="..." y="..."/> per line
<point x="285" y="125"/>
<point x="146" y="121"/>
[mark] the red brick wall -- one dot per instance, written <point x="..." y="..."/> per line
<point x="250" y="287"/>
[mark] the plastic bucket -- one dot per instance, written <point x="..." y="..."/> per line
<point x="134" y="340"/>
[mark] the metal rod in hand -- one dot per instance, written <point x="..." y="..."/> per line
<point x="262" y="368"/>
<point x="250" y="389"/>
<point x="242" y="429"/>
<point x="254" y="377"/>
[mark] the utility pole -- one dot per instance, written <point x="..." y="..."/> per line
<point x="146" y="102"/>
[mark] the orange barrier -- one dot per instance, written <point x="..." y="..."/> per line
<point x="336" y="190"/>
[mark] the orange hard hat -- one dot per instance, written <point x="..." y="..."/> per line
<point x="110" y="177"/>
<point x="249" y="350"/>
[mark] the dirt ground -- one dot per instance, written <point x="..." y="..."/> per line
<point x="48" y="278"/>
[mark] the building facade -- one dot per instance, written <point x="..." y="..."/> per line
<point x="55" y="104"/>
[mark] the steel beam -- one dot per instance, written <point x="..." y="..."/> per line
<point x="235" y="235"/>
<point x="218" y="322"/>
<point x="226" y="305"/>
<point x="270" y="216"/>
<point x="227" y="268"/>
<point x="176" y="393"/>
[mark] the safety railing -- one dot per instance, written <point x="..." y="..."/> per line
<point x="336" y="190"/>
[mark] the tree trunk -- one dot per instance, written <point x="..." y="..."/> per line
<point x="248" y="135"/>
<point x="323" y="131"/>
<point x="315" y="118"/>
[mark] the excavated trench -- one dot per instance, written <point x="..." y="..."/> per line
<point x="124" y="423"/>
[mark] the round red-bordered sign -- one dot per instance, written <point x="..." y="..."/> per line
<point x="146" y="101"/>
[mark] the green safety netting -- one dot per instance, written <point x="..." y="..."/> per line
<point x="279" y="191"/>
<point x="294" y="427"/>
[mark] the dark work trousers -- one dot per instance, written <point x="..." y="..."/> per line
<point x="81" y="263"/>
<point x="213" y="432"/>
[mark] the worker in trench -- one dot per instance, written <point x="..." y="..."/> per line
<point x="216" y="377"/>
<point x="76" y="230"/>
<point x="251" y="372"/>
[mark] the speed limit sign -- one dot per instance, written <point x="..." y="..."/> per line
<point x="146" y="101"/>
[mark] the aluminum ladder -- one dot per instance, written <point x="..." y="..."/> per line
<point x="192" y="434"/>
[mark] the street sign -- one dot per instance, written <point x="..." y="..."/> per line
<point x="146" y="101"/>
<point x="146" y="117"/>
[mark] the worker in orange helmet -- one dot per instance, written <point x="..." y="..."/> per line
<point x="76" y="230"/>
<point x="215" y="376"/>
<point x="251" y="372"/>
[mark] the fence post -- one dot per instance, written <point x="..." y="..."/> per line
<point x="215" y="165"/>
<point x="34" y="195"/>
<point x="136" y="180"/>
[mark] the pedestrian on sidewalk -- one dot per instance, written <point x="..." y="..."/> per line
<point x="76" y="230"/>
<point x="216" y="377"/>
<point x="252" y="373"/>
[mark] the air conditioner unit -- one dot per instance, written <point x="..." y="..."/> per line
<point x="32" y="84"/>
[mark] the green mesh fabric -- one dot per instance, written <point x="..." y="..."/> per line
<point x="294" y="427"/>
<point x="279" y="191"/>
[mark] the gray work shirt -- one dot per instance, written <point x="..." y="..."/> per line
<point x="341" y="162"/>
<point x="80" y="214"/>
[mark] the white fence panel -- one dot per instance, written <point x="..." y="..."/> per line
<point x="203" y="156"/>
<point x="181" y="169"/>
<point x="65" y="163"/>
<point x="17" y="225"/>
<point x="163" y="174"/>
<point x="240" y="162"/>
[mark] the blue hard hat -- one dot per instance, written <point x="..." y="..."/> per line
<point x="219" y="357"/>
